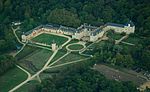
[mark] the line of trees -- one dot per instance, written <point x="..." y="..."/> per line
<point x="6" y="63"/>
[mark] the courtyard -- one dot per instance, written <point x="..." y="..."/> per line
<point x="48" y="39"/>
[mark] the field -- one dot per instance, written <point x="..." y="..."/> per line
<point x="11" y="78"/>
<point x="58" y="55"/>
<point x="27" y="50"/>
<point x="69" y="58"/>
<point x="49" y="38"/>
<point x="36" y="60"/>
<point x="40" y="58"/>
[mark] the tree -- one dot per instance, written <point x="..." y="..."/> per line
<point x="1" y="5"/>
<point x="119" y="59"/>
<point x="6" y="63"/>
<point x="27" y="13"/>
<point x="145" y="58"/>
<point x="64" y="17"/>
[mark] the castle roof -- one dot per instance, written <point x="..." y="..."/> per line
<point x="114" y="24"/>
<point x="51" y="26"/>
<point x="95" y="32"/>
<point x="68" y="29"/>
<point x="86" y="26"/>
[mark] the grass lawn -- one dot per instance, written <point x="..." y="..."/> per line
<point x="11" y="78"/>
<point x="36" y="60"/>
<point x="75" y="47"/>
<point x="69" y="58"/>
<point x="58" y="55"/>
<point x="61" y="70"/>
<point x="73" y="41"/>
<point x="28" y="86"/>
<point x="40" y="58"/>
<point x="26" y="51"/>
<point x="49" y="38"/>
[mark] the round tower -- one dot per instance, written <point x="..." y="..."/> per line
<point x="24" y="38"/>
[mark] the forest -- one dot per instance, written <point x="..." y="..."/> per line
<point x="74" y="13"/>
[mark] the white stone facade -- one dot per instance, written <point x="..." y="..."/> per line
<point x="126" y="28"/>
<point x="92" y="32"/>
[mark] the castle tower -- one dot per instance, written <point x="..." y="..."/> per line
<point x="24" y="38"/>
<point x="54" y="46"/>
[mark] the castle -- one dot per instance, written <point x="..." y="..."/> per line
<point x="85" y="32"/>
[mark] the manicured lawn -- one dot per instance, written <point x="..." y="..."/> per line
<point x="69" y="58"/>
<point x="58" y="55"/>
<point x="73" y="41"/>
<point x="75" y="47"/>
<point x="58" y="71"/>
<point x="49" y="38"/>
<point x="11" y="79"/>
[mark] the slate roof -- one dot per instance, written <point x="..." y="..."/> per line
<point x="50" y="26"/>
<point x="95" y="32"/>
<point x="68" y="29"/>
<point x="114" y="24"/>
<point x="86" y="26"/>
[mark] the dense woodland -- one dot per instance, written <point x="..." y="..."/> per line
<point x="128" y="57"/>
<point x="84" y="80"/>
<point x="6" y="62"/>
<point x="73" y="13"/>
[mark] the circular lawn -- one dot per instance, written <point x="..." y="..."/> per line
<point x="75" y="47"/>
